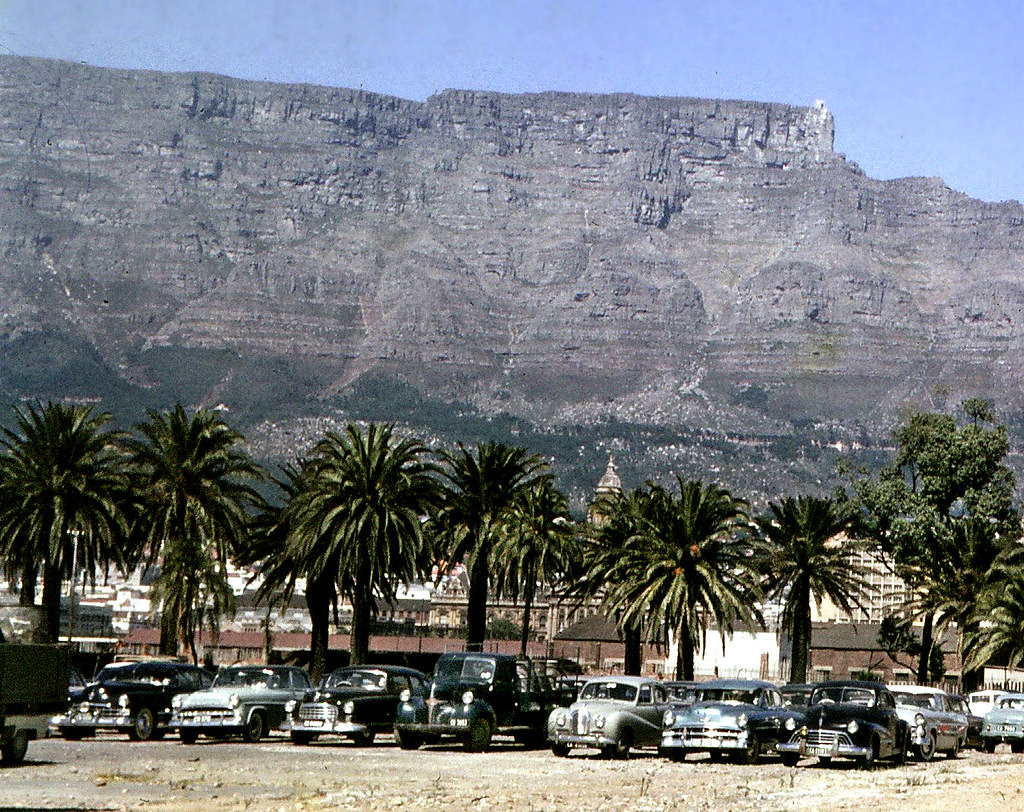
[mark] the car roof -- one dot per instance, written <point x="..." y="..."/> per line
<point x="624" y="680"/>
<point x="737" y="684"/>
<point x="852" y="683"/>
<point x="386" y="669"/>
<point x="915" y="689"/>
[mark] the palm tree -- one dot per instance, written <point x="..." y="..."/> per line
<point x="995" y="630"/>
<point x="355" y="520"/>
<point x="538" y="545"/>
<point x="62" y="499"/>
<point x="802" y="558"/>
<point x="479" y="492"/>
<point x="688" y="563"/>
<point x="195" y="485"/>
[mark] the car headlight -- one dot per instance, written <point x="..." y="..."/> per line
<point x="122" y="701"/>
<point x="84" y="707"/>
<point x="467" y="698"/>
<point x="176" y="700"/>
<point x="853" y="727"/>
<point x="406" y="695"/>
<point x="919" y="720"/>
<point x="561" y="718"/>
<point x="348" y="707"/>
<point x="234" y="701"/>
<point x="668" y="719"/>
<point x="790" y="723"/>
<point x="317" y="696"/>
<point x="598" y="721"/>
<point x="289" y="706"/>
<point x="741" y="720"/>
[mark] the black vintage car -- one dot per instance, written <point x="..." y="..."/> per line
<point x="847" y="719"/>
<point x="473" y="696"/>
<point x="797" y="694"/>
<point x="356" y="702"/>
<point x="133" y="697"/>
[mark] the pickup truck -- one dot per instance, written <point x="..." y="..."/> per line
<point x="473" y="696"/>
<point x="33" y="687"/>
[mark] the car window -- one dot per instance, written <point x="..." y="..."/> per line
<point x="615" y="691"/>
<point x="366" y="680"/>
<point x="660" y="696"/>
<point x="1011" y="703"/>
<point x="775" y="699"/>
<point x="645" y="695"/>
<point x="743" y="695"/>
<point x="418" y="685"/>
<point x="453" y="669"/>
<point x="300" y="681"/>
<point x="399" y="682"/>
<point x="845" y="694"/>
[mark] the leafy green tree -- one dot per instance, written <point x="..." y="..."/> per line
<point x="479" y="493"/>
<point x="354" y="523"/>
<point x="943" y="510"/>
<point x="802" y="560"/>
<point x="63" y="496"/>
<point x="538" y="545"/>
<point x="195" y="484"/>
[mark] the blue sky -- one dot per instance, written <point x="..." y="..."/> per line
<point x="916" y="88"/>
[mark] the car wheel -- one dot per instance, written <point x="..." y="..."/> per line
<point x="988" y="745"/>
<point x="824" y="761"/>
<point x="1017" y="747"/>
<point x="364" y="738"/>
<point x="677" y="755"/>
<point x="254" y="728"/>
<point x="868" y="761"/>
<point x="620" y="750"/>
<point x="954" y="751"/>
<point x="143" y="726"/>
<point x="899" y="757"/>
<point x="790" y="759"/>
<point x="406" y="740"/>
<point x="560" y="750"/>
<point x="751" y="753"/>
<point x="73" y="734"/>
<point x="479" y="737"/>
<point x="302" y="738"/>
<point x="925" y="751"/>
<point x="188" y="736"/>
<point x="14" y="751"/>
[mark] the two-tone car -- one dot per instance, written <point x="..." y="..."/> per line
<point x="612" y="714"/>
<point x="244" y="700"/>
<point x="936" y="724"/>
<point x="846" y="719"/>
<point x="743" y="718"/>
<point x="1005" y="723"/>
<point x="133" y="698"/>
<point x="355" y="702"/>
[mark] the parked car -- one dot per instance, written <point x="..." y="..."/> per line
<point x="936" y="726"/>
<point x="612" y="714"/>
<point x="741" y="717"/>
<point x="797" y="694"/>
<point x="132" y="697"/>
<point x="983" y="701"/>
<point x="681" y="693"/>
<point x="847" y="719"/>
<point x="245" y="700"/>
<point x="1005" y="723"/>
<point x="356" y="702"/>
<point x="473" y="696"/>
<point x="975" y="723"/>
<point x="76" y="685"/>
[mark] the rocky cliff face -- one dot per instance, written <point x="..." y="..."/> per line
<point x="557" y="256"/>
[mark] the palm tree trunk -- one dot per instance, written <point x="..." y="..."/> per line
<point x="476" y="608"/>
<point x="801" y="640"/>
<point x="684" y="653"/>
<point x="168" y="633"/>
<point x="527" y="608"/>
<point x="29" y="574"/>
<point x="633" y="657"/>
<point x="923" y="665"/>
<point x="51" y="600"/>
<point x="359" y="639"/>
<point x="318" y="601"/>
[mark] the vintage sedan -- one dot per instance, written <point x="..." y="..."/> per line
<point x="1005" y="723"/>
<point x="356" y="702"/>
<point x="133" y="697"/>
<point x="741" y="717"/>
<point x="245" y="700"/>
<point x="936" y="725"/>
<point x="612" y="714"/>
<point x="975" y="723"/>
<point x="847" y="719"/>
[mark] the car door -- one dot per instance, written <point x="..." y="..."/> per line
<point x="650" y="706"/>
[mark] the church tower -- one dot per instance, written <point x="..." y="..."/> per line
<point x="608" y="487"/>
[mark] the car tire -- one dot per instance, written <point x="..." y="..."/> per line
<point x="188" y="736"/>
<point x="926" y="750"/>
<point x="1017" y="747"/>
<point x="751" y="754"/>
<point x="478" y="738"/>
<point x="302" y="738"/>
<point x="825" y="761"/>
<point x="254" y="728"/>
<point x="363" y="739"/>
<point x="406" y="740"/>
<point x="677" y="755"/>
<point x="954" y="751"/>
<point x="989" y="745"/>
<point x="790" y="759"/>
<point x="75" y="734"/>
<point x="143" y="726"/>
<point x="560" y="750"/>
<point x="14" y="751"/>
<point x="620" y="750"/>
<point x="868" y="761"/>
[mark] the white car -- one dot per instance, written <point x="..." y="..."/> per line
<point x="982" y="702"/>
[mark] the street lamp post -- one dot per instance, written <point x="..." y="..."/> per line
<point x="74" y="580"/>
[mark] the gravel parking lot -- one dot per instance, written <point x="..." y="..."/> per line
<point x="110" y="773"/>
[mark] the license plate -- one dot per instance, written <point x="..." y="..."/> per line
<point x="459" y="722"/>
<point x="819" y="751"/>
<point x="313" y="723"/>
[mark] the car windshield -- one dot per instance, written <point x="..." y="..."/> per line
<point x="138" y="673"/>
<point x="726" y="695"/>
<point x="249" y="678"/>
<point x="614" y="691"/>
<point x="795" y="698"/>
<point x="926" y="701"/>
<point x="1012" y="703"/>
<point x="851" y="696"/>
<point x="454" y="669"/>
<point x="365" y="680"/>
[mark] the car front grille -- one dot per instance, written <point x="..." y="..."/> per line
<point x="205" y="714"/>
<point x="580" y="722"/>
<point x="826" y="738"/>
<point x="318" y="712"/>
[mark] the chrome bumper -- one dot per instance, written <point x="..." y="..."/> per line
<point x="703" y="739"/>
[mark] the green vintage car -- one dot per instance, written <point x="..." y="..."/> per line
<point x="245" y="700"/>
<point x="1005" y="723"/>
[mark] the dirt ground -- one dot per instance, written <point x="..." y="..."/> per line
<point x="110" y="773"/>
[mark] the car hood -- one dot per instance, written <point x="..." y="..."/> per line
<point x="220" y="697"/>
<point x="111" y="690"/>
<point x="1014" y="716"/>
<point x="453" y="690"/>
<point x="704" y="712"/>
<point x="340" y="694"/>
<point x="602" y="706"/>
<point x="829" y="715"/>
